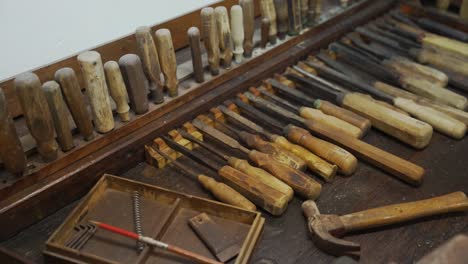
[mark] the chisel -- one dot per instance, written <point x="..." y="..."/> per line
<point x="117" y="89"/>
<point x="223" y="30"/>
<point x="37" y="114"/>
<point x="210" y="38"/>
<point x="262" y="195"/>
<point x="237" y="25"/>
<point x="267" y="8"/>
<point x="294" y="12"/>
<point x="248" y="14"/>
<point x="398" y="167"/>
<point x="168" y="61"/>
<point x="135" y="81"/>
<point x="193" y="34"/>
<point x="304" y="12"/>
<point x="11" y="152"/>
<point x="300" y="182"/>
<point x="282" y="19"/>
<point x="221" y="191"/>
<point x="264" y="29"/>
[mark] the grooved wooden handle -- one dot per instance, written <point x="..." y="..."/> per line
<point x="167" y="58"/>
<point x="59" y="112"/>
<point x="210" y="38"/>
<point x="438" y="59"/>
<point x="294" y="11"/>
<point x="11" y="152"/>
<point x="267" y="8"/>
<point x="117" y="89"/>
<point x="96" y="89"/>
<point x="225" y="194"/>
<point x="259" y="193"/>
<point x="398" y="213"/>
<point x="406" y="66"/>
<point x="237" y="25"/>
<point x="282" y="17"/>
<point x="224" y="35"/>
<point x="37" y="114"/>
<point x="150" y="59"/>
<point x="407" y="129"/>
<point x="261" y="176"/>
<point x="265" y="30"/>
<point x="66" y="77"/>
<point x="195" y="48"/>
<point x="135" y="81"/>
<point x="314" y="162"/>
<point x="328" y="108"/>
<point x="249" y="25"/>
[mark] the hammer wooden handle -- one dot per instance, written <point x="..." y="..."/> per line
<point x="168" y="61"/>
<point x="11" y="152"/>
<point x="249" y="25"/>
<point x="392" y="214"/>
<point x="117" y="89"/>
<point x="328" y="108"/>
<point x="238" y="34"/>
<point x="135" y="81"/>
<point x="210" y="38"/>
<point x="267" y="8"/>
<point x="96" y="89"/>
<point x="195" y="48"/>
<point x="59" y="113"/>
<point x="224" y="35"/>
<point x="37" y="114"/>
<point x="282" y="17"/>
<point x="149" y="56"/>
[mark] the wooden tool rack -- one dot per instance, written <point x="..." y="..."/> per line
<point x="33" y="206"/>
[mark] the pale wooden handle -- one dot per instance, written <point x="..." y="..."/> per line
<point x="226" y="194"/>
<point x="11" y="152"/>
<point x="398" y="213"/>
<point x="168" y="61"/>
<point x="304" y="11"/>
<point x="195" y="48"/>
<point x="438" y="59"/>
<point x="267" y="8"/>
<point x="135" y="81"/>
<point x="224" y="35"/>
<point x="407" y="129"/>
<point x="328" y="108"/>
<point x="59" y="112"/>
<point x="238" y="34"/>
<point x="382" y="103"/>
<point x="282" y="17"/>
<point x="37" y="114"/>
<point x="265" y="30"/>
<point x="451" y="46"/>
<point x="210" y="38"/>
<point x="150" y="59"/>
<point x="405" y="66"/>
<point x="66" y="77"/>
<point x="117" y="89"/>
<point x="331" y="121"/>
<point x="96" y="89"/>
<point x="295" y="23"/>
<point x="249" y="25"/>
<point x="318" y="10"/>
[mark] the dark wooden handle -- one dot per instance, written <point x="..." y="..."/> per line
<point x="11" y="150"/>
<point x="37" y="114"/>
<point x="168" y="61"/>
<point x="267" y="8"/>
<point x="135" y="80"/>
<point x="304" y="11"/>
<point x="248" y="12"/>
<point x="210" y="38"/>
<point x="237" y="25"/>
<point x="265" y="29"/>
<point x="282" y="17"/>
<point x="117" y="89"/>
<point x="96" y="89"/>
<point x="150" y="59"/>
<point x="193" y="34"/>
<point x="224" y="35"/>
<point x="68" y="81"/>
<point x="294" y="13"/>
<point x="59" y="112"/>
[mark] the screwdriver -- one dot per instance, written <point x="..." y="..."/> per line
<point x="219" y="190"/>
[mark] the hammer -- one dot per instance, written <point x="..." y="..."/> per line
<point x="324" y="229"/>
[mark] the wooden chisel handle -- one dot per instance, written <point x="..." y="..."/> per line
<point x="195" y="48"/>
<point x="318" y="116"/>
<point x="438" y="59"/>
<point x="223" y="30"/>
<point x="66" y="77"/>
<point x="168" y="61"/>
<point x="96" y="89"/>
<point x="398" y="213"/>
<point x="11" y="152"/>
<point x="267" y="8"/>
<point x="282" y="17"/>
<point x="117" y="89"/>
<point x="382" y="103"/>
<point x="135" y="81"/>
<point x="225" y="194"/>
<point x="301" y="183"/>
<point x="265" y="30"/>
<point x="328" y="108"/>
<point x="451" y="46"/>
<point x="249" y="25"/>
<point x="294" y="11"/>
<point x="59" y="112"/>
<point x="304" y="11"/>
<point x="238" y="34"/>
<point x="405" y="66"/>
<point x="37" y="114"/>
<point x="150" y="59"/>
<point x="210" y="38"/>
<point x="261" y="176"/>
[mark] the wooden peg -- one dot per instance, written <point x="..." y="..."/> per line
<point x="194" y="42"/>
<point x="294" y="11"/>
<point x="210" y="38"/>
<point x="282" y="18"/>
<point x="150" y="59"/>
<point x="168" y="61"/>
<point x="96" y="89"/>
<point x="37" y="114"/>
<point x="265" y="31"/>
<point x="117" y="89"/>
<point x="304" y="11"/>
<point x="74" y="98"/>
<point x="135" y="80"/>
<point x="59" y="112"/>
<point x="237" y="31"/>
<point x="248" y="12"/>
<point x="267" y="9"/>
<point x="224" y="35"/>
<point x="11" y="150"/>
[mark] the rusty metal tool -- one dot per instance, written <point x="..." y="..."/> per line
<point x="137" y="218"/>
<point x="324" y="229"/>
<point x="83" y="233"/>
<point x="219" y="190"/>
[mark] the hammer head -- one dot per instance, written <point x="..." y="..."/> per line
<point x="324" y="228"/>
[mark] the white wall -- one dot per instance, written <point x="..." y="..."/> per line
<point x="38" y="32"/>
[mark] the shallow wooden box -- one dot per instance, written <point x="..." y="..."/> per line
<point x="165" y="216"/>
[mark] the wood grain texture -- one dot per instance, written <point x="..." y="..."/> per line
<point x="117" y="89"/>
<point x="320" y="117"/>
<point x="438" y="59"/>
<point x="135" y="81"/>
<point x="328" y="108"/>
<point x="223" y="29"/>
<point x="248" y="11"/>
<point x="267" y="8"/>
<point x="238" y="34"/>
<point x="168" y="60"/>
<point x="193" y="34"/>
<point x="210" y="38"/>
